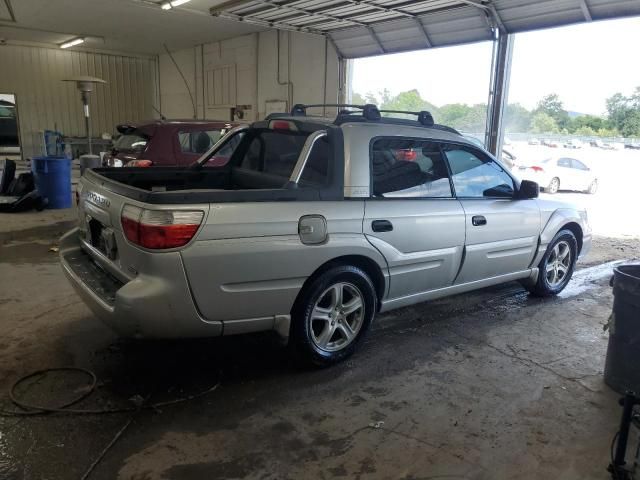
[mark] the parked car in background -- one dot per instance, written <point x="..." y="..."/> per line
<point x="533" y="141"/>
<point x="632" y="145"/>
<point x="560" y="173"/>
<point x="596" y="143"/>
<point x="8" y="124"/>
<point x="312" y="227"/>
<point x="165" y="143"/>
<point x="572" y="143"/>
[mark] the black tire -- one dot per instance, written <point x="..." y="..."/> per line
<point x="544" y="286"/>
<point x="304" y="324"/>
<point x="554" y="186"/>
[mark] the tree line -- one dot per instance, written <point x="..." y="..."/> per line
<point x="549" y="116"/>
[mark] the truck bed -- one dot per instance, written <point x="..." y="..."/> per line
<point x="178" y="185"/>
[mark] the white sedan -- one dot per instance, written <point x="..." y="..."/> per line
<point x="558" y="173"/>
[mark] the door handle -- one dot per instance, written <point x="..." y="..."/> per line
<point x="381" y="226"/>
<point x="478" y="220"/>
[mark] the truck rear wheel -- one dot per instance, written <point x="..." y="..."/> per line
<point x="332" y="315"/>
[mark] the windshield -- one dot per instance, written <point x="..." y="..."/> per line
<point x="131" y="142"/>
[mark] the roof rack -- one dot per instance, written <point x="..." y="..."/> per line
<point x="369" y="112"/>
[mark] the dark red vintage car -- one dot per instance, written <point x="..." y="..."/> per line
<point x="166" y="143"/>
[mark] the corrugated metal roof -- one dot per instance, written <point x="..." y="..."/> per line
<point x="361" y="28"/>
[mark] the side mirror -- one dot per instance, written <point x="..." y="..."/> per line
<point x="528" y="189"/>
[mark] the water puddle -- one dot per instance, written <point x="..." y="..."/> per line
<point x="586" y="278"/>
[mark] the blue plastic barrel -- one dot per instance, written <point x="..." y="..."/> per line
<point x="52" y="176"/>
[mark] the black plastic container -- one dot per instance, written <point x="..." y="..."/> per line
<point x="622" y="367"/>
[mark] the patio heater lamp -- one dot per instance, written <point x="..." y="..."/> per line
<point x="86" y="85"/>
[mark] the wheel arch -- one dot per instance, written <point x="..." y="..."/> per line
<point x="576" y="229"/>
<point x="366" y="264"/>
<point x="562" y="218"/>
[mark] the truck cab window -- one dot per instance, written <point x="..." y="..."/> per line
<point x="408" y="168"/>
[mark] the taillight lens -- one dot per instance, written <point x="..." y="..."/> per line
<point x="537" y="169"/>
<point x="160" y="229"/>
<point x="139" y="163"/>
<point x="283" y="125"/>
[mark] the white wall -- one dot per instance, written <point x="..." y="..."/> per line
<point x="34" y="75"/>
<point x="244" y="71"/>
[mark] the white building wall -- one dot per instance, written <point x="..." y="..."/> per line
<point x="34" y="75"/>
<point x="243" y="72"/>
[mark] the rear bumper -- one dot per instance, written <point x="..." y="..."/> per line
<point x="147" y="306"/>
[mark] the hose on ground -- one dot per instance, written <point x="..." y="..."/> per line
<point x="31" y="409"/>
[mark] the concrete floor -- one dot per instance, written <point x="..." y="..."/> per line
<point x="488" y="385"/>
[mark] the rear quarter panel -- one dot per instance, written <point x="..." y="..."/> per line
<point x="249" y="261"/>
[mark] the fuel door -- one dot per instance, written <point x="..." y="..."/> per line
<point x="312" y="229"/>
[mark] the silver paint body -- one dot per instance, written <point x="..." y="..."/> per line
<point x="245" y="267"/>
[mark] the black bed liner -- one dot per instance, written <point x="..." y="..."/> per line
<point x="122" y="181"/>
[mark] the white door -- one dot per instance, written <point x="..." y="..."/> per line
<point x="582" y="173"/>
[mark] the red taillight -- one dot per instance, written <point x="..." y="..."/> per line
<point x="160" y="229"/>
<point x="537" y="169"/>
<point x="283" y="125"/>
<point x="139" y="163"/>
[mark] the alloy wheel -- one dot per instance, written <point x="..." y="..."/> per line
<point x="337" y="317"/>
<point x="558" y="264"/>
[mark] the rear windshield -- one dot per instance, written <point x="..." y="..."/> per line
<point x="131" y="143"/>
<point x="276" y="152"/>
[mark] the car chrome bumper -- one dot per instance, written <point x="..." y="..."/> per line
<point x="145" y="307"/>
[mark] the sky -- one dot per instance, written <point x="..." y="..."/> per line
<point x="584" y="64"/>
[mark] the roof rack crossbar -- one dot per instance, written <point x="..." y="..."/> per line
<point x="369" y="111"/>
<point x="424" y="117"/>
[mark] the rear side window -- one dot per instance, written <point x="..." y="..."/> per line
<point x="476" y="175"/>
<point x="564" y="162"/>
<point x="276" y="153"/>
<point x="131" y="143"/>
<point x="408" y="168"/>
<point x="198" y="141"/>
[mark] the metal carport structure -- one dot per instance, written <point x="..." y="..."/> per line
<point x="360" y="28"/>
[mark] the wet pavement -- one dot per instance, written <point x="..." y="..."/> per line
<point x="492" y="384"/>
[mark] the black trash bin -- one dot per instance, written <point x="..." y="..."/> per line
<point x="622" y="367"/>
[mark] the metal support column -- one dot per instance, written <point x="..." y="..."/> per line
<point x="498" y="90"/>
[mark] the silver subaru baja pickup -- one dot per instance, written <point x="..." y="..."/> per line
<point x="311" y="227"/>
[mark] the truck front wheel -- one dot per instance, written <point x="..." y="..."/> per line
<point x="332" y="315"/>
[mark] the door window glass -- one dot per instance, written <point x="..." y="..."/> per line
<point x="476" y="175"/>
<point x="408" y="168"/>
<point x="578" y="164"/>
<point x="564" y="162"/>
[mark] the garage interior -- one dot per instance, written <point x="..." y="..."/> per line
<point x="485" y="385"/>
